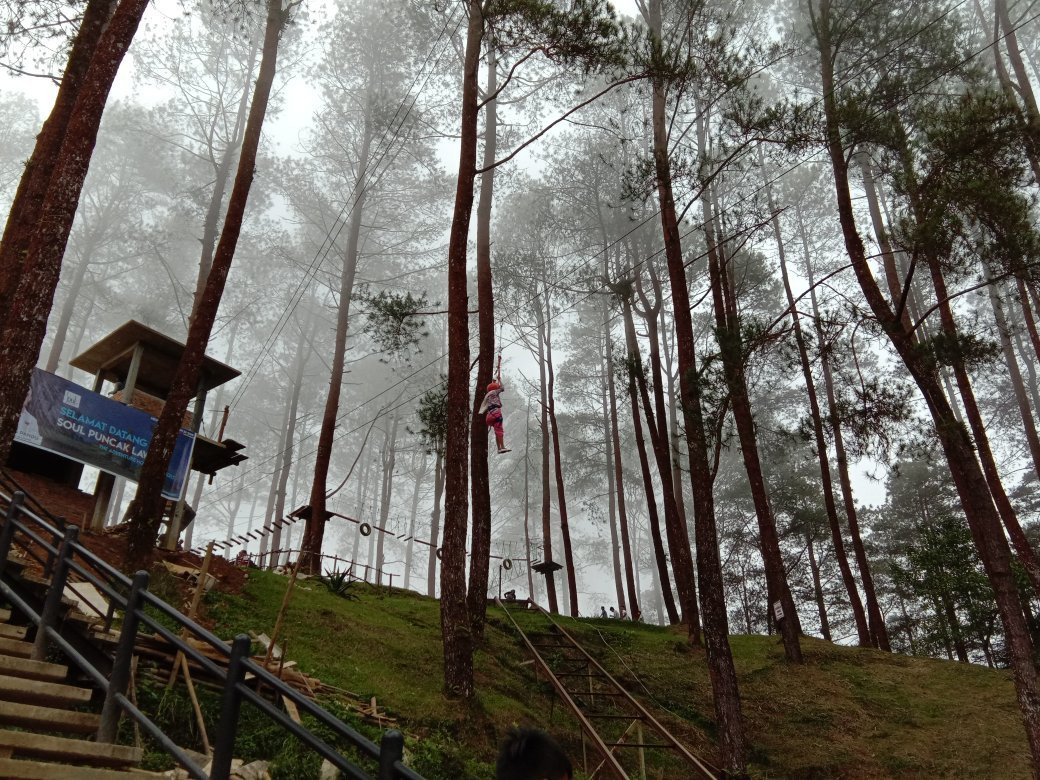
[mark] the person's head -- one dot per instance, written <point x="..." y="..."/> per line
<point x="529" y="754"/>
<point x="494" y="386"/>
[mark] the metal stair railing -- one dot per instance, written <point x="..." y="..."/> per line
<point x="589" y="668"/>
<point x="61" y="554"/>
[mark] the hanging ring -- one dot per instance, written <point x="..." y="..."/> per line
<point x="439" y="552"/>
<point x="365" y="529"/>
<point x="507" y="564"/>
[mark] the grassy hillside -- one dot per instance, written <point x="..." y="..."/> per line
<point x="847" y="712"/>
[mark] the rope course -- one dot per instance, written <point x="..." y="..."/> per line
<point x="602" y="287"/>
<point x="254" y="535"/>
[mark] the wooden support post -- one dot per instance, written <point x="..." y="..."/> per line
<point x="102" y="500"/>
<point x="196" y="599"/>
<point x="281" y="612"/>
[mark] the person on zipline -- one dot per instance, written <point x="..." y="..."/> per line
<point x="491" y="408"/>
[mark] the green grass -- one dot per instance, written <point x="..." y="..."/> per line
<point x="847" y="712"/>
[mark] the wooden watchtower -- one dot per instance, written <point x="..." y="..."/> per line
<point x="139" y="362"/>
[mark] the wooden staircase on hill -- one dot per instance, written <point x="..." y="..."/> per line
<point x="53" y="728"/>
<point x="45" y="722"/>
<point x="617" y="729"/>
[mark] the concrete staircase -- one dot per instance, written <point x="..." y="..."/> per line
<point x="46" y="727"/>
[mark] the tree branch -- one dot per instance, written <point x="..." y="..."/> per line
<point x="557" y="121"/>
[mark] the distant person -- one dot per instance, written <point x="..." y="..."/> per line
<point x="529" y="754"/>
<point x="602" y="612"/>
<point x="624" y="615"/>
<point x="613" y="612"/>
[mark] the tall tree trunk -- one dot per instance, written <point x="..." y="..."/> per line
<point x="362" y="497"/>
<point x="1024" y="86"/>
<point x="879" y="631"/>
<point x="653" y="519"/>
<point x="314" y="533"/>
<point x="480" y="490"/>
<point x="435" y="524"/>
<point x="222" y="175"/>
<point x="390" y="461"/>
<point x="968" y="478"/>
<point x="1029" y="127"/>
<point x="147" y="504"/>
<point x="657" y="423"/>
<point x="217" y="412"/>
<point x="673" y="429"/>
<point x="1026" y="554"/>
<point x="617" y="463"/>
<point x="550" y="576"/>
<point x="527" y="502"/>
<point x="612" y="508"/>
<point x="81" y="332"/>
<point x="866" y="636"/>
<point x="1028" y="360"/>
<point x="948" y="326"/>
<point x="67" y="307"/>
<point x="731" y="350"/>
<point x="814" y="569"/>
<point x="888" y="256"/>
<point x="721" y="672"/>
<point x="39" y="230"/>
<point x="23" y="217"/>
<point x="288" y="440"/>
<point x="456" y="627"/>
<point x="1015" y="375"/>
<point x="561" y="493"/>
<point x="420" y="475"/>
<point x="950" y="613"/>
<point x="1029" y="318"/>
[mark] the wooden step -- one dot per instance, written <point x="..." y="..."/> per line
<point x="71" y="751"/>
<point x="13" y="632"/>
<point x="14" y="769"/>
<point x="32" y="670"/>
<point x="18" y="689"/>
<point x="18" y="648"/>
<point x="84" y="620"/>
<point x="34" y="716"/>
<point x="5" y="615"/>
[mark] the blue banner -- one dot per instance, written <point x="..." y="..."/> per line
<point x="61" y="417"/>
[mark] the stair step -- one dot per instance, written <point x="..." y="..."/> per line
<point x="15" y="647"/>
<point x="27" y="745"/>
<point x="5" y="615"/>
<point x="34" y="716"/>
<point x="18" y="689"/>
<point x="32" y="670"/>
<point x="38" y="770"/>
<point x="12" y="632"/>
<point x="86" y="620"/>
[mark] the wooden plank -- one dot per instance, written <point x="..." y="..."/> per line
<point x="15" y="647"/>
<point x="26" y="744"/>
<point x="31" y="716"/>
<point x="32" y="670"/>
<point x="38" y="770"/>
<point x="290" y="707"/>
<point x="12" y="632"/>
<point x="18" y="689"/>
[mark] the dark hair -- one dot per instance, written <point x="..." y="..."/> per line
<point x="529" y="754"/>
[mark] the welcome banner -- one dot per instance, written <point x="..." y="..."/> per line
<point x="61" y="417"/>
